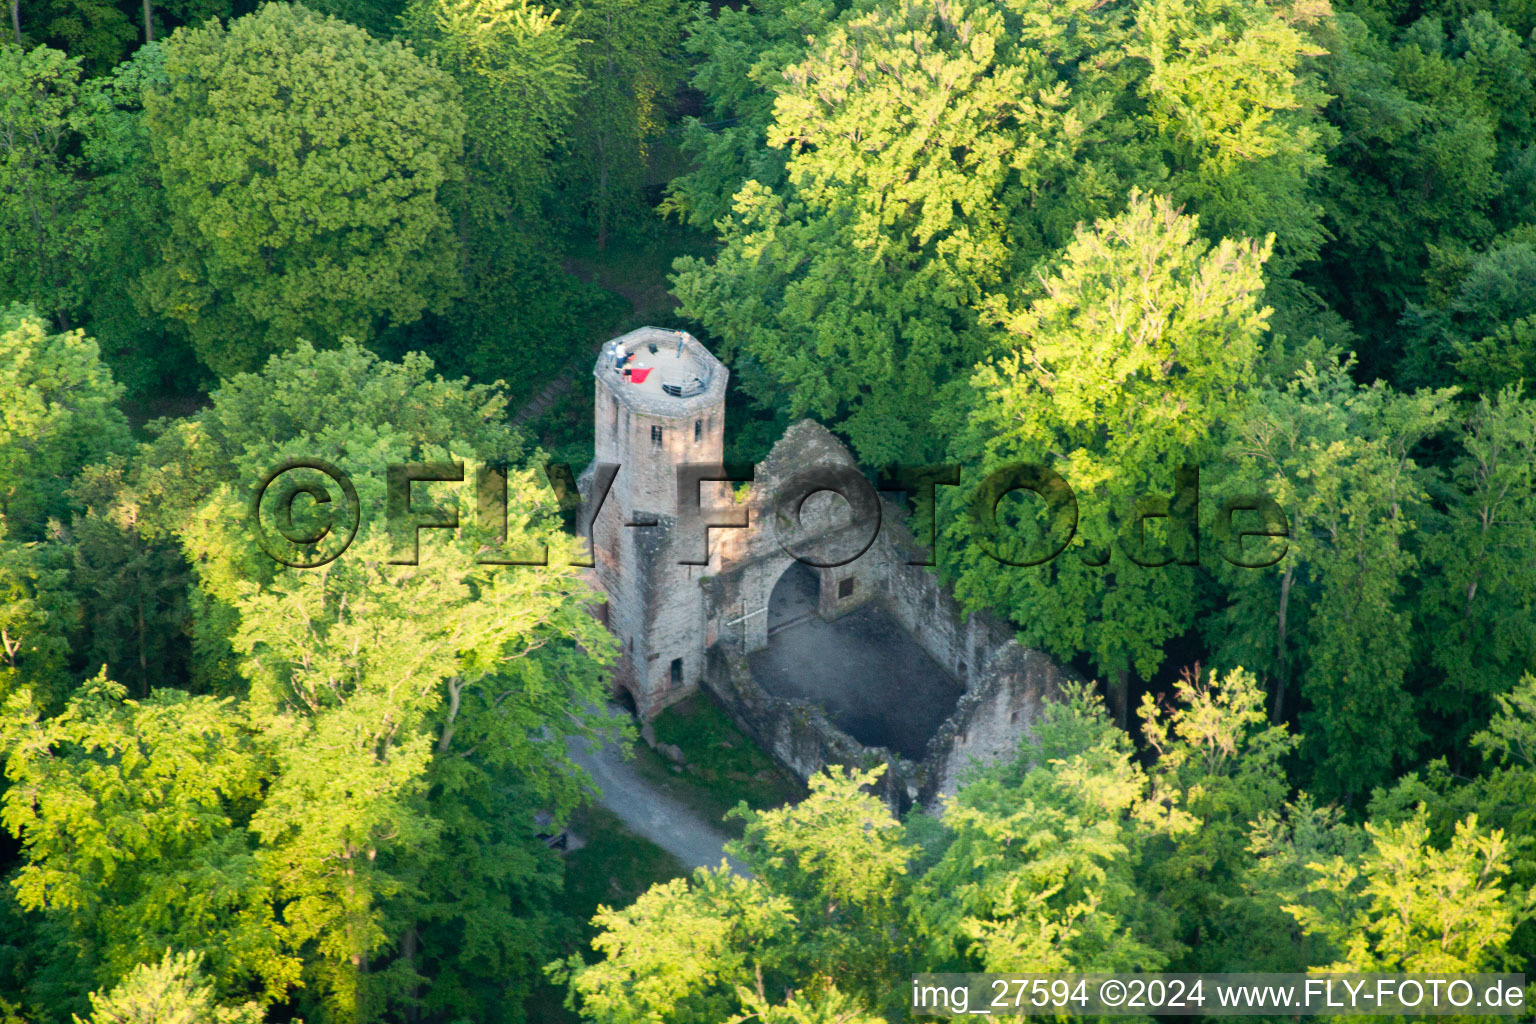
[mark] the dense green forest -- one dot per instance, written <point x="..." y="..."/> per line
<point x="1290" y="244"/>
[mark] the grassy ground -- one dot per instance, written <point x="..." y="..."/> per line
<point x="721" y="767"/>
<point x="613" y="868"/>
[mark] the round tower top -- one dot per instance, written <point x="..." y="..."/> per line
<point x="670" y="373"/>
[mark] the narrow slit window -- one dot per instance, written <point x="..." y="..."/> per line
<point x="698" y="431"/>
<point x="655" y="437"/>
<point x="677" y="672"/>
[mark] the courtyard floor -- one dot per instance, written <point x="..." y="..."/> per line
<point x="874" y="681"/>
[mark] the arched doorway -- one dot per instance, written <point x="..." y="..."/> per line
<point x="794" y="598"/>
<point x="626" y="700"/>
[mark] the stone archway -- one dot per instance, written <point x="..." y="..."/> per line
<point x="626" y="700"/>
<point x="794" y="597"/>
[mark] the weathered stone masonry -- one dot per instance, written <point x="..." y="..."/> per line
<point x="683" y="627"/>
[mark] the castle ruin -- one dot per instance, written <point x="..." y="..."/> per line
<point x="858" y="657"/>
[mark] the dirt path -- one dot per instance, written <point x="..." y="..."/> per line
<point x="558" y="385"/>
<point x="540" y="403"/>
<point x="647" y="812"/>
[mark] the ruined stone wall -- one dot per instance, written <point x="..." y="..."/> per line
<point x="750" y="561"/>
<point x="1004" y="682"/>
<point x="991" y="718"/>
<point x="798" y="735"/>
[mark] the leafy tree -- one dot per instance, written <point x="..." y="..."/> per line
<point x="1428" y="116"/>
<point x="1487" y="332"/>
<point x="1406" y="905"/>
<point x="854" y="285"/>
<point x="148" y="355"/>
<point x="965" y="150"/>
<point x="57" y="414"/>
<point x="37" y="613"/>
<point x="493" y="908"/>
<point x="813" y="929"/>
<point x="1233" y="102"/>
<point x="516" y="65"/>
<point x="132" y="590"/>
<point x="375" y="681"/>
<point x="1220" y="762"/>
<point x="47" y="243"/>
<point x="682" y="951"/>
<point x="1039" y="874"/>
<point x="1476" y="598"/>
<point x="1501" y="796"/>
<point x="742" y="56"/>
<point x="43" y="974"/>
<point x="1501" y="792"/>
<point x="415" y="716"/>
<point x="1135" y="353"/>
<point x="1263" y="933"/>
<point x="195" y="12"/>
<point x="831" y="1008"/>
<point x="128" y="816"/>
<point x="98" y="33"/>
<point x="362" y="815"/>
<point x="630" y="63"/>
<point x="348" y="406"/>
<point x="1332" y="613"/>
<point x="380" y="18"/>
<point x="302" y="164"/>
<point x="172" y="991"/>
<point x="81" y="210"/>
<point x="842" y="862"/>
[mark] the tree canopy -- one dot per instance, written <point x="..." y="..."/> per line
<point x="303" y="164"/>
<point x="1222" y="312"/>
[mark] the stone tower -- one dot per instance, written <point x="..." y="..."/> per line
<point x="668" y="410"/>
